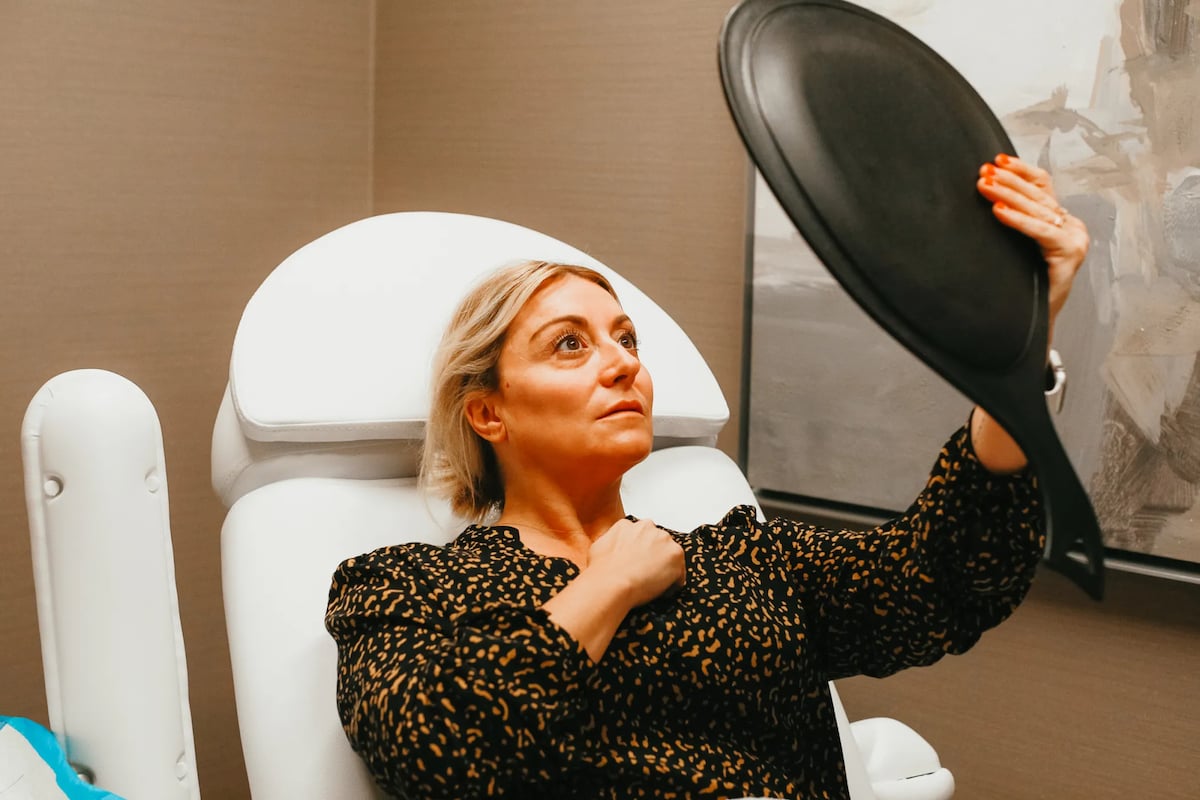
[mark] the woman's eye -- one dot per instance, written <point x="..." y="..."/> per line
<point x="628" y="341"/>
<point x="569" y="342"/>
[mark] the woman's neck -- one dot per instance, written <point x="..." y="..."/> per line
<point x="552" y="522"/>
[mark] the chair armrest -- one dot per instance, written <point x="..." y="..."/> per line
<point x="934" y="786"/>
<point x="900" y="764"/>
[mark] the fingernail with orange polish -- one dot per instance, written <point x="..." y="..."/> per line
<point x="1000" y="206"/>
<point x="989" y="170"/>
<point x="1003" y="159"/>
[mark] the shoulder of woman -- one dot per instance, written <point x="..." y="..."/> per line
<point x="737" y="522"/>
<point x="739" y="519"/>
<point x="401" y="579"/>
<point x="409" y="560"/>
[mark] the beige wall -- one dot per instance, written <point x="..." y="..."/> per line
<point x="158" y="159"/>
<point x="1067" y="700"/>
<point x="601" y="124"/>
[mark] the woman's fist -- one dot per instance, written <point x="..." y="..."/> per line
<point x="646" y="558"/>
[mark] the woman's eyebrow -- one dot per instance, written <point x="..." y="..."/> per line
<point x="574" y="319"/>
<point x="578" y="322"/>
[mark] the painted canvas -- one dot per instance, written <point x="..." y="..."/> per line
<point x="1106" y="95"/>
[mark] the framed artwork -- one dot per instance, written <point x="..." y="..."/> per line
<point x="1105" y="94"/>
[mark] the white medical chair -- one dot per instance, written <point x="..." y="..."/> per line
<point x="315" y="452"/>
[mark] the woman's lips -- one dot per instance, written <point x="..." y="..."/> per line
<point x="624" y="408"/>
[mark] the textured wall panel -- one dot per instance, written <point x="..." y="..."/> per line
<point x="601" y="124"/>
<point x="158" y="161"/>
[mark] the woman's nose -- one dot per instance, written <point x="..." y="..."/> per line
<point x="620" y="363"/>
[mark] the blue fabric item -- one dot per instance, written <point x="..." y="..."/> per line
<point x="43" y="745"/>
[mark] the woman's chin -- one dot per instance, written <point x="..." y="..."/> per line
<point x="616" y="454"/>
<point x="635" y="452"/>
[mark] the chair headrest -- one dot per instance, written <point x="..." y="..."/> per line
<point x="337" y="343"/>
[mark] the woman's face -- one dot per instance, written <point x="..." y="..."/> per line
<point x="573" y="399"/>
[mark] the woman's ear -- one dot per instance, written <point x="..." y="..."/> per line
<point x="481" y="413"/>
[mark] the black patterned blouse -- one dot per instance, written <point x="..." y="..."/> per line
<point x="454" y="683"/>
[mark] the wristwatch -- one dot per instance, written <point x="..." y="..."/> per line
<point x="1056" y="380"/>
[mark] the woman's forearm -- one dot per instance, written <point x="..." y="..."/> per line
<point x="994" y="448"/>
<point x="591" y="608"/>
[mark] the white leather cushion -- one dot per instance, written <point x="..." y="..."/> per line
<point x="240" y="464"/>
<point x="336" y="344"/>
<point x="279" y="548"/>
<point x="682" y="488"/>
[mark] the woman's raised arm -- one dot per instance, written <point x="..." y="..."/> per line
<point x="1023" y="198"/>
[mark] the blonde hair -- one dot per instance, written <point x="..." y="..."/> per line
<point x="456" y="462"/>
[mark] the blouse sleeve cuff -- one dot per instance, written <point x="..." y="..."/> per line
<point x="1002" y="512"/>
<point x="528" y="643"/>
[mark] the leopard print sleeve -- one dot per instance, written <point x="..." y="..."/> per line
<point x="925" y="584"/>
<point x="441" y="695"/>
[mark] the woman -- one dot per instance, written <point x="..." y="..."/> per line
<point x="566" y="647"/>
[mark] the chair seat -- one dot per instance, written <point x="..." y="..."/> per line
<point x="279" y="548"/>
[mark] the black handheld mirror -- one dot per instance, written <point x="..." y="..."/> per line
<point x="872" y="144"/>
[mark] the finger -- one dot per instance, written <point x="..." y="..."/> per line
<point x="1045" y="232"/>
<point x="630" y="525"/>
<point x="1039" y="192"/>
<point x="1021" y="196"/>
<point x="1035" y="175"/>
<point x="649" y="531"/>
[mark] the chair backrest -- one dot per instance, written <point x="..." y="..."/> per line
<point x="331" y="362"/>
<point x="315" y="447"/>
